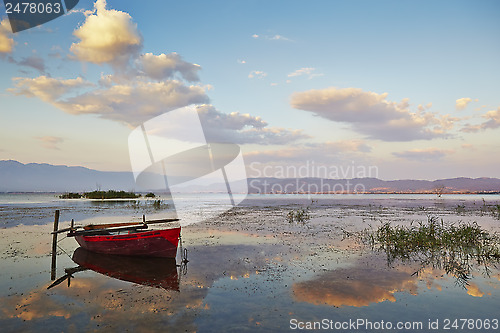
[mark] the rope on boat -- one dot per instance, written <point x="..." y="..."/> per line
<point x="62" y="239"/>
<point x="66" y="253"/>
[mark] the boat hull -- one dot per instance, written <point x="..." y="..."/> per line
<point x="154" y="243"/>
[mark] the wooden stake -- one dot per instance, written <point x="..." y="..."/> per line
<point x="54" y="246"/>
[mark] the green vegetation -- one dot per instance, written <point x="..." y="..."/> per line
<point x="150" y="195"/>
<point x="457" y="249"/>
<point x="159" y="204"/>
<point x="299" y="216"/>
<point x="111" y="194"/>
<point x="70" y="195"/>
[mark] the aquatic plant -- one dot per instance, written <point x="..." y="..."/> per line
<point x="457" y="249"/>
<point x="299" y="216"/>
<point x="159" y="204"/>
<point x="460" y="209"/>
<point x="496" y="210"/>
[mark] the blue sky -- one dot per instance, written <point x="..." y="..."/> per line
<point x="409" y="87"/>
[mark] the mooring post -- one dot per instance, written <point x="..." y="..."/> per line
<point x="54" y="246"/>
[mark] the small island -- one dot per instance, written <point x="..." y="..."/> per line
<point x="110" y="194"/>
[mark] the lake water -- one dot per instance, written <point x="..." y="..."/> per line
<point x="249" y="269"/>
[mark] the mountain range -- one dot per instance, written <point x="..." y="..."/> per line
<point x="34" y="177"/>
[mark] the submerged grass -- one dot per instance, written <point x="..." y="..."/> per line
<point x="455" y="248"/>
<point x="298" y="216"/>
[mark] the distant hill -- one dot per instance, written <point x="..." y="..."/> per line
<point x="34" y="177"/>
<point x="372" y="185"/>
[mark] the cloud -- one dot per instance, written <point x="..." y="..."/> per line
<point x="424" y="107"/>
<point x="134" y="101"/>
<point x="279" y="37"/>
<point x="373" y="115"/>
<point x="35" y="62"/>
<point x="164" y="66"/>
<point x="428" y="154"/>
<point x="241" y="128"/>
<point x="107" y="36"/>
<point x="50" y="142"/>
<point x="308" y="71"/>
<point x="493" y="122"/>
<point x="46" y="88"/>
<point x="257" y="75"/>
<point x="131" y="102"/>
<point x="473" y="290"/>
<point x="241" y="61"/>
<point x="462" y="103"/>
<point x="6" y="43"/>
<point x="272" y="37"/>
<point x="354" y="286"/>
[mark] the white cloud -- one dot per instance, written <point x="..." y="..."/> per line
<point x="279" y="37"/>
<point x="46" y="88"/>
<point x="257" y="75"/>
<point x="6" y="42"/>
<point x="427" y="154"/>
<point x="462" y="103"/>
<point x="164" y="66"/>
<point x="493" y="122"/>
<point x="373" y="115"/>
<point x="244" y="128"/>
<point x="303" y="71"/>
<point x="130" y="102"/>
<point x="424" y="107"/>
<point x="272" y="37"/>
<point x="107" y="36"/>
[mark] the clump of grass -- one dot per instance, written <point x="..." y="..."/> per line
<point x="496" y="210"/>
<point x="150" y="195"/>
<point x="159" y="204"/>
<point x="298" y="216"/>
<point x="454" y="248"/>
<point x="460" y="209"/>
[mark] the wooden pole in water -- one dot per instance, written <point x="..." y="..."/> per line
<point x="54" y="246"/>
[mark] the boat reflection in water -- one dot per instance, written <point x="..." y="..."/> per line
<point x="148" y="271"/>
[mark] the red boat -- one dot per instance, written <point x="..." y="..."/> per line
<point x="130" y="239"/>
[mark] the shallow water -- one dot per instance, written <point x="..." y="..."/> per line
<point x="251" y="270"/>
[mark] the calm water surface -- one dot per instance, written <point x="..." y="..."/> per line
<point x="248" y="270"/>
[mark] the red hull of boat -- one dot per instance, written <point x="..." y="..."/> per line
<point x="154" y="243"/>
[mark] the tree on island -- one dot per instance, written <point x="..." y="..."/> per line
<point x="439" y="190"/>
